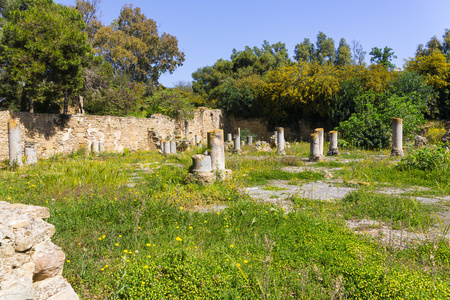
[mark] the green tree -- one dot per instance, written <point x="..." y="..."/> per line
<point x="325" y="51"/>
<point x="133" y="45"/>
<point x="44" y="48"/>
<point x="446" y="43"/>
<point x="383" y="57"/>
<point x="235" y="80"/>
<point x="344" y="56"/>
<point x="305" y="51"/>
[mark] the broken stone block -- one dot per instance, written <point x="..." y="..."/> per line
<point x="420" y="141"/>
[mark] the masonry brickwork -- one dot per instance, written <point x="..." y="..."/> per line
<point x="53" y="133"/>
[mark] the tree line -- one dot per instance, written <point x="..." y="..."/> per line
<point x="51" y="54"/>
<point x="332" y="85"/>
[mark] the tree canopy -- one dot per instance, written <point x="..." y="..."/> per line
<point x="132" y="45"/>
<point x="43" y="48"/>
<point x="383" y="57"/>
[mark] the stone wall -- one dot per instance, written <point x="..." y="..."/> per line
<point x="257" y="126"/>
<point x="54" y="133"/>
<point x="30" y="264"/>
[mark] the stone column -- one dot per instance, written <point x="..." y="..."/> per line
<point x="30" y="155"/>
<point x="201" y="170"/>
<point x="229" y="137"/>
<point x="95" y="147"/>
<point x="333" y="143"/>
<point x="314" y="147"/>
<point x="173" y="147"/>
<point x="162" y="144"/>
<point x="249" y="140"/>
<point x="101" y="147"/>
<point x="15" y="144"/>
<point x="201" y="163"/>
<point x="320" y="132"/>
<point x="216" y="148"/>
<point x="280" y="141"/>
<point x="237" y="140"/>
<point x="397" y="137"/>
<point x="198" y="140"/>
<point x="167" y="147"/>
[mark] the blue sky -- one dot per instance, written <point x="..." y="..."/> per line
<point x="209" y="30"/>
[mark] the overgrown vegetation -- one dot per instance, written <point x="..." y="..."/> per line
<point x="131" y="227"/>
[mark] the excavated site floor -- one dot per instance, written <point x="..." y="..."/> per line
<point x="280" y="193"/>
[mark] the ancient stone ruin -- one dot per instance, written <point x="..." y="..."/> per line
<point x="280" y="141"/>
<point x="14" y="142"/>
<point x="206" y="168"/>
<point x="397" y="137"/>
<point x="30" y="264"/>
<point x="333" y="144"/>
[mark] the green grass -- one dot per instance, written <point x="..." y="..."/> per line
<point x="149" y="242"/>
<point x="399" y="212"/>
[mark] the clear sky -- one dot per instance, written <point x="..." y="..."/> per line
<point x="209" y="29"/>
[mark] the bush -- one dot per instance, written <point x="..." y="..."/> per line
<point x="370" y="125"/>
<point x="435" y="133"/>
<point x="366" y="127"/>
<point x="125" y="100"/>
<point x="169" y="102"/>
<point x="426" y="159"/>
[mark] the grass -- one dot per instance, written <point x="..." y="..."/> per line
<point x="148" y="241"/>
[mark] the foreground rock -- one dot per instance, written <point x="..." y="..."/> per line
<point x="30" y="264"/>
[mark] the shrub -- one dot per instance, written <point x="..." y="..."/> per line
<point x="169" y="102"/>
<point x="125" y="100"/>
<point x="425" y="159"/>
<point x="370" y="125"/>
<point x="367" y="127"/>
<point x="435" y="133"/>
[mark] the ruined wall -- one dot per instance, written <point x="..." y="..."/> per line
<point x="54" y="133"/>
<point x="257" y="126"/>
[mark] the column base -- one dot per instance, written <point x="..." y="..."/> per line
<point x="396" y="152"/>
<point x="333" y="152"/>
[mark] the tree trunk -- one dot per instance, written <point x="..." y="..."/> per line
<point x="66" y="102"/>
<point x="23" y="101"/>
<point x="31" y="106"/>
